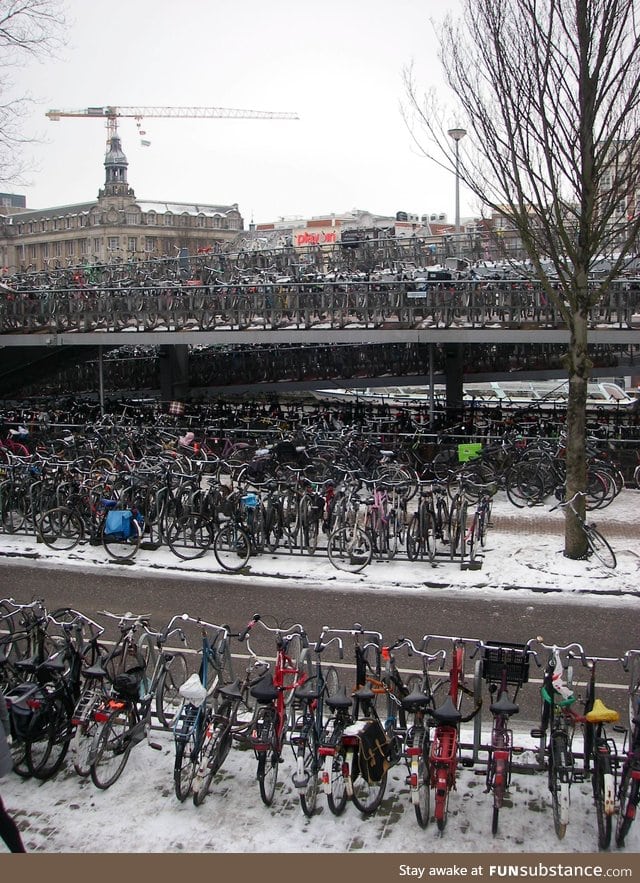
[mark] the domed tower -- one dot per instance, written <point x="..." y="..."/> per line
<point x="115" y="164"/>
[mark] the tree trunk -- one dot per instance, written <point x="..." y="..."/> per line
<point x="579" y="367"/>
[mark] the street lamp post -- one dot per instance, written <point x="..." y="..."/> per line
<point x="457" y="135"/>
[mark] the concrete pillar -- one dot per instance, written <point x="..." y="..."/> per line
<point x="453" y="367"/>
<point x="174" y="372"/>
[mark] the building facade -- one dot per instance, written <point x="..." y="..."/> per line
<point x="115" y="226"/>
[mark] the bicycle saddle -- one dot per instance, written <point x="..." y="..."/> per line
<point x="231" y="691"/>
<point x="339" y="700"/>
<point x="600" y="714"/>
<point x="310" y="690"/>
<point x="264" y="691"/>
<point x="504" y="706"/>
<point x="415" y="699"/>
<point x="447" y="713"/>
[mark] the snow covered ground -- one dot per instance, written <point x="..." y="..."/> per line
<point x="141" y="814"/>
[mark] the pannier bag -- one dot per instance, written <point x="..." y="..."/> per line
<point x="128" y="683"/>
<point x="372" y="757"/>
<point x="118" y="523"/>
<point x="27" y="705"/>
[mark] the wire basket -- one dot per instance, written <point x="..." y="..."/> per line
<point x="513" y="657"/>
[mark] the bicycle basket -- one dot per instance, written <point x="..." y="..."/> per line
<point x="27" y="712"/>
<point x="118" y="523"/>
<point x="249" y="501"/>
<point x="512" y="656"/>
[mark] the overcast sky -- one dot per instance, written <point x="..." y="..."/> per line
<point x="337" y="63"/>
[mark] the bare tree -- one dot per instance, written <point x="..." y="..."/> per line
<point x="549" y="91"/>
<point x="27" y="28"/>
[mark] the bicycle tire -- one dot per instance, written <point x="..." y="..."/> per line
<point x="629" y="796"/>
<point x="421" y="794"/>
<point x="168" y="699"/>
<point x="81" y="745"/>
<point x="214" y="752"/>
<point x="337" y="797"/>
<point x="185" y="766"/>
<point x="44" y="757"/>
<point x="331" y="680"/>
<point x="600" y="547"/>
<point x="441" y="807"/>
<point x="308" y="768"/>
<point x="601" y="780"/>
<point x="559" y="789"/>
<point x="232" y="548"/>
<point x="268" y="775"/>
<point x="190" y="536"/>
<point x="60" y="528"/>
<point x="634" y="690"/>
<point x="366" y="796"/>
<point x="414" y="538"/>
<point x="111" y="749"/>
<point x="122" y="548"/>
<point x="349" y="549"/>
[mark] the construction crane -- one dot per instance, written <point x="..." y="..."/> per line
<point x="112" y="114"/>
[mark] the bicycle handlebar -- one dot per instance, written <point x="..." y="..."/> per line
<point x="428" y="657"/>
<point x="555" y="649"/>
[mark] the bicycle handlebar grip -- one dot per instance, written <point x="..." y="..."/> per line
<point x="243" y="634"/>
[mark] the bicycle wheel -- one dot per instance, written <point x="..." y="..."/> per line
<point x="629" y="795"/>
<point x="168" y="699"/>
<point x="111" y="748"/>
<point x="441" y="808"/>
<point x="307" y="771"/>
<point x="267" y="775"/>
<point x="523" y="485"/>
<point x="232" y="547"/>
<point x="190" y="536"/>
<point x="366" y="795"/>
<point x="419" y="778"/>
<point x="45" y="756"/>
<point x="331" y="680"/>
<point x="120" y="547"/>
<point x="60" y="528"/>
<point x="634" y="689"/>
<point x="337" y="796"/>
<point x="185" y="765"/>
<point x="214" y="752"/>
<point x="349" y="549"/>
<point x="603" y="796"/>
<point x="498" y="779"/>
<point x="81" y="744"/>
<point x="600" y="547"/>
<point x="558" y="786"/>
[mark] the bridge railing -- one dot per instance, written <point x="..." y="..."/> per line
<point x="333" y="305"/>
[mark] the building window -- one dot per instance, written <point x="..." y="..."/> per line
<point x="44" y="250"/>
<point x="57" y="249"/>
<point x="97" y="246"/>
<point x="69" y="247"/>
<point x="168" y="220"/>
<point x="133" y="218"/>
<point x="67" y="223"/>
<point x="151" y="218"/>
<point x="216" y="221"/>
<point x="185" y="220"/>
<point x="150" y="244"/>
<point x="132" y="244"/>
<point x="200" y="221"/>
<point x="83" y="246"/>
<point x="113" y="243"/>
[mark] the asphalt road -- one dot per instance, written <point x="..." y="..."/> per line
<point x="603" y="631"/>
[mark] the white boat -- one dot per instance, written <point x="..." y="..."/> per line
<point x="543" y="393"/>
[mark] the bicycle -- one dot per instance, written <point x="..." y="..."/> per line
<point x="445" y="745"/>
<point x="126" y="718"/>
<point x="419" y="700"/>
<point x="274" y="694"/>
<point x="429" y="523"/>
<point x="600" y="751"/>
<point x="503" y="665"/>
<point x="629" y="790"/>
<point x="560" y="723"/>
<point x="243" y="535"/>
<point x="309" y="724"/>
<point x="596" y="543"/>
<point x="191" y="723"/>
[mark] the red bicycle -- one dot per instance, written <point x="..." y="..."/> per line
<point x="445" y="746"/>
<point x="274" y="695"/>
